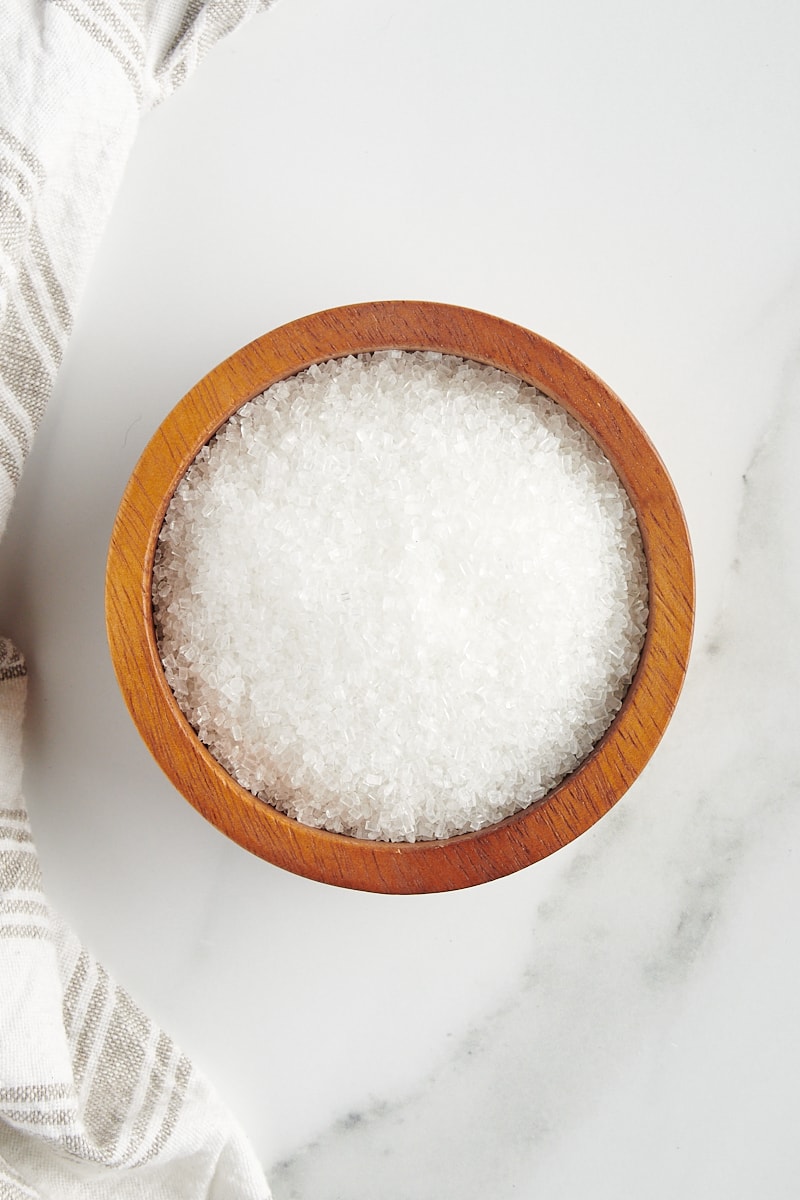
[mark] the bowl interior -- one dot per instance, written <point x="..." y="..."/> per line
<point x="518" y="840"/>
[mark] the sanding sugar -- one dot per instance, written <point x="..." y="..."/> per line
<point x="400" y="595"/>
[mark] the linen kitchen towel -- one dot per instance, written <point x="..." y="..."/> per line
<point x="95" y="1101"/>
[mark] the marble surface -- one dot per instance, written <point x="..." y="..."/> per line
<point x="620" y="1020"/>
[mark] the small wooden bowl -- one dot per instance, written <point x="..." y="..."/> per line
<point x="545" y="825"/>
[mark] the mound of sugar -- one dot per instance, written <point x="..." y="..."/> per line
<point x="400" y="595"/>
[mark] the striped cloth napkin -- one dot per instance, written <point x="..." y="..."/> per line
<point x="95" y="1101"/>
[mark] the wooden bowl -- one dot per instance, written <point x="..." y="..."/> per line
<point x="545" y="825"/>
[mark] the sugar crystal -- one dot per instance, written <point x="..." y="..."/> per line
<point x="400" y="595"/>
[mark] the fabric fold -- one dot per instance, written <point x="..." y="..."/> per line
<point x="95" y="1100"/>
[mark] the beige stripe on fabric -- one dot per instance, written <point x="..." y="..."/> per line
<point x="203" y="26"/>
<point x="12" y="671"/>
<point x="221" y="17"/>
<point x="12" y="454"/>
<point x="135" y="10"/>
<point x="78" y="1146"/>
<point x="11" y="833"/>
<point x="43" y="322"/>
<point x="132" y="38"/>
<point x="73" y="991"/>
<point x="10" y="170"/>
<point x="13" y="170"/>
<point x="23" y="913"/>
<point x="24" y="908"/>
<point x="85" y="1041"/>
<point x="13" y="814"/>
<point x="179" y="74"/>
<point x="19" y="226"/>
<point x="10" y="655"/>
<point x="56" y="1119"/>
<point x="19" y="871"/>
<point x="40" y="256"/>
<point x="139" y="1146"/>
<point x="136" y="1124"/>
<point x="7" y="486"/>
<point x="23" y="153"/>
<point x="190" y="15"/>
<point x="14" y="224"/>
<point x="35" y="1093"/>
<point x="180" y="70"/>
<point x="37" y="320"/>
<point x="23" y="933"/>
<point x="105" y="41"/>
<point x="117" y="1074"/>
<point x="12" y="216"/>
<point x="183" y="1074"/>
<point x="25" y="375"/>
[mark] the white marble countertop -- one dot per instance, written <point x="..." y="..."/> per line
<point x="620" y="1020"/>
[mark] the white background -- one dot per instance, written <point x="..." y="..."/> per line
<point x="620" y="1020"/>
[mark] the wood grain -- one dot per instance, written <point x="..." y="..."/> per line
<point x="457" y="862"/>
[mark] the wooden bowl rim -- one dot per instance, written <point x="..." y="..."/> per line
<point x="547" y="824"/>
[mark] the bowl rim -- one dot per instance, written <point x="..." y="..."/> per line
<point x="424" y="866"/>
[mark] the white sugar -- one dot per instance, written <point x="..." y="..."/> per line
<point x="400" y="595"/>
